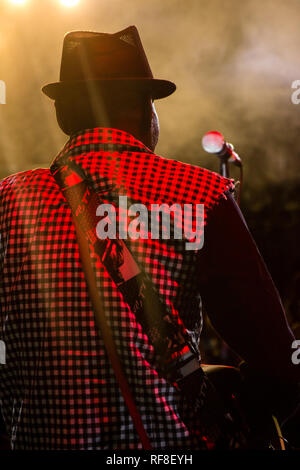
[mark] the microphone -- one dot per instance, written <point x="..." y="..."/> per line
<point x="213" y="142"/>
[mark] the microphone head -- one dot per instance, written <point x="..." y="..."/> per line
<point x="213" y="142"/>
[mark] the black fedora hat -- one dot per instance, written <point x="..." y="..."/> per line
<point x="106" y="60"/>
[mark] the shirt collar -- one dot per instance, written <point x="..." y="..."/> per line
<point x="102" y="138"/>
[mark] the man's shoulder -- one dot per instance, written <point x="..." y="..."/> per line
<point x="185" y="181"/>
<point x="27" y="186"/>
<point x="26" y="179"/>
<point x="179" y="168"/>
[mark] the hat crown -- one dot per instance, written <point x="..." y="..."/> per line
<point x="106" y="61"/>
<point x="89" y="55"/>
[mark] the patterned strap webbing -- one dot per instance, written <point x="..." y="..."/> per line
<point x="174" y="352"/>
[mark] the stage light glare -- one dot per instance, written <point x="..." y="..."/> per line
<point x="18" y="2"/>
<point x="69" y="3"/>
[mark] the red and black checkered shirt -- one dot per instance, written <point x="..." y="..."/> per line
<point x="57" y="388"/>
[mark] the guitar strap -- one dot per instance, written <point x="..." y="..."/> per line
<point x="175" y="354"/>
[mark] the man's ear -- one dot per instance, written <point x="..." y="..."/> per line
<point x="150" y="125"/>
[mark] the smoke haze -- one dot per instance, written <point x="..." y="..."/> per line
<point x="233" y="63"/>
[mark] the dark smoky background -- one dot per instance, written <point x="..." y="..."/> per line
<point x="233" y="62"/>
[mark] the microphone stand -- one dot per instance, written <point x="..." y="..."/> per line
<point x="224" y="155"/>
<point x="224" y="167"/>
<point x="224" y="171"/>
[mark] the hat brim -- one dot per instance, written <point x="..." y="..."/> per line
<point x="158" y="88"/>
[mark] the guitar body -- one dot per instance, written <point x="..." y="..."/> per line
<point x="244" y="427"/>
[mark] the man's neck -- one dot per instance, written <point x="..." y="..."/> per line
<point x="135" y="131"/>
